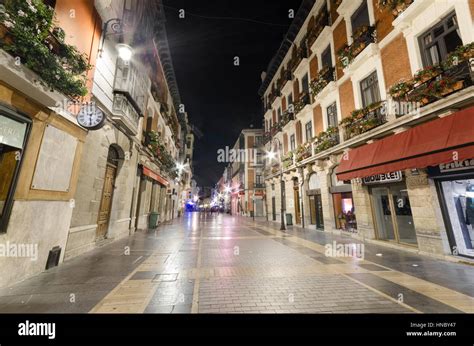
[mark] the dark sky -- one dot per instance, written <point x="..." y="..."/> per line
<point x="220" y="98"/>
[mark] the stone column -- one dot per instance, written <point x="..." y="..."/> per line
<point x="363" y="210"/>
<point x="424" y="205"/>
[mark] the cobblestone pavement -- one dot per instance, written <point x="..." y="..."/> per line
<point x="223" y="264"/>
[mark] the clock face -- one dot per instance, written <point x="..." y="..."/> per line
<point x="91" y="117"/>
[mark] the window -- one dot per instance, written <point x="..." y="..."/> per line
<point x="279" y="114"/>
<point x="326" y="59"/>
<point x="440" y="40"/>
<point x="259" y="157"/>
<point x="332" y="115"/>
<point x="360" y="17"/>
<point x="258" y="141"/>
<point x="292" y="142"/>
<point x="14" y="130"/>
<point x="258" y="179"/>
<point x="369" y="88"/>
<point x="290" y="100"/>
<point x="305" y="84"/>
<point x="309" y="131"/>
<point x="273" y="187"/>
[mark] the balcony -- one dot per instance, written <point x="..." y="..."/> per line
<point x="436" y="82"/>
<point x="303" y="152"/>
<point x="133" y="84"/>
<point x="125" y="114"/>
<point x="324" y="77"/>
<point x="320" y="21"/>
<point x="302" y="102"/>
<point x="288" y="160"/>
<point x="395" y="6"/>
<point x="258" y="185"/>
<point x="362" y="37"/>
<point x="266" y="137"/>
<point x="364" y="120"/>
<point x="326" y="140"/>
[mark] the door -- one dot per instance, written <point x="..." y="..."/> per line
<point x="393" y="216"/>
<point x="383" y="213"/>
<point x="319" y="211"/>
<point x="106" y="202"/>
<point x="273" y="209"/>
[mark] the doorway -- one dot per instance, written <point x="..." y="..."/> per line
<point x="107" y="194"/>
<point x="392" y="214"/>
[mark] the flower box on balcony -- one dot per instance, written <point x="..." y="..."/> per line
<point x="362" y="37"/>
<point x="435" y="82"/>
<point x="326" y="139"/>
<point x="322" y="79"/>
<point x="26" y="32"/>
<point x="395" y="6"/>
<point x="303" y="152"/>
<point x="302" y="102"/>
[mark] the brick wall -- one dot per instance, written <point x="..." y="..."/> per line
<point x="299" y="133"/>
<point x="333" y="10"/>
<point x="283" y="103"/>
<point x="296" y="90"/>
<point x="274" y="117"/>
<point x="313" y="67"/>
<point x="471" y="5"/>
<point x="285" y="143"/>
<point x="346" y="95"/>
<point x="340" y="39"/>
<point x="250" y="141"/>
<point x="395" y="51"/>
<point x="318" y="120"/>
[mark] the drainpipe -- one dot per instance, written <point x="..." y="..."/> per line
<point x="301" y="171"/>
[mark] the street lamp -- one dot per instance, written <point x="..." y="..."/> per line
<point x="271" y="155"/>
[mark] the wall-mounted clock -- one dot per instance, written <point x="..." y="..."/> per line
<point x="91" y="117"/>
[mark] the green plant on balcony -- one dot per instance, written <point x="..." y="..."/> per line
<point x="434" y="82"/>
<point x="288" y="159"/>
<point x="319" y="82"/>
<point x="326" y="139"/>
<point x="459" y="55"/>
<point x="303" y="152"/>
<point x="362" y="37"/>
<point x="27" y="31"/>
<point x="364" y="119"/>
<point x="396" y="6"/>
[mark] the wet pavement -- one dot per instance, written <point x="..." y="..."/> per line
<point x="229" y="264"/>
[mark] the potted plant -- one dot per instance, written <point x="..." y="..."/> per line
<point x="427" y="73"/>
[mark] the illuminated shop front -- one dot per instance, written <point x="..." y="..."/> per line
<point x="455" y="186"/>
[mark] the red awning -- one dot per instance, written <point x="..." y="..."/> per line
<point x="439" y="141"/>
<point x="149" y="173"/>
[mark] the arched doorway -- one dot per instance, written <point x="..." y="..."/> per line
<point x="113" y="158"/>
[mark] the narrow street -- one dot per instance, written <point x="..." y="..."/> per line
<point x="203" y="263"/>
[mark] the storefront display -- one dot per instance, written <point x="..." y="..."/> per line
<point x="391" y="208"/>
<point x="455" y="183"/>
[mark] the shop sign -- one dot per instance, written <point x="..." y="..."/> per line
<point x="12" y="133"/>
<point x="456" y="166"/>
<point x="383" y="178"/>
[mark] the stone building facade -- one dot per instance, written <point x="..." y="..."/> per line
<point x="349" y="80"/>
<point x="65" y="190"/>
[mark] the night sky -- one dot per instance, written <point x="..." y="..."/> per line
<point x="220" y="98"/>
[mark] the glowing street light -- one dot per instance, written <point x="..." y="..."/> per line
<point x="180" y="167"/>
<point x="271" y="155"/>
